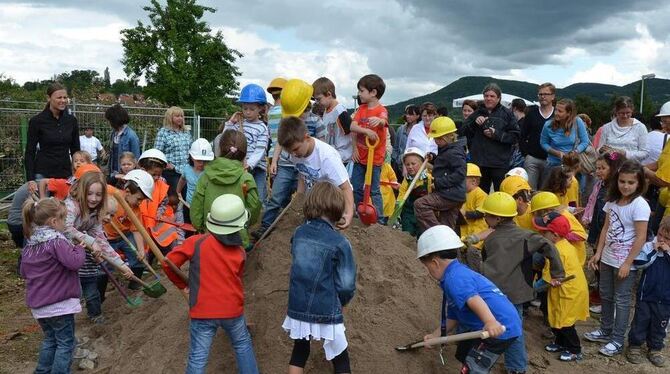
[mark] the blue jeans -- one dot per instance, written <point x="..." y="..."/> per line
<point x="516" y="357"/>
<point x="202" y="334"/>
<point x="260" y="177"/>
<point x="283" y="186"/>
<point x="131" y="258"/>
<point x="58" y="344"/>
<point x="91" y="294"/>
<point x="358" y="182"/>
<point x="615" y="294"/>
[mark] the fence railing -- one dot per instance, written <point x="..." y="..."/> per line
<point x="146" y="121"/>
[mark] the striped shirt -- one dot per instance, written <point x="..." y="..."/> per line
<point x="175" y="145"/>
<point x="257" y="135"/>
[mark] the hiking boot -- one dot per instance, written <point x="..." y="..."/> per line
<point x="553" y="347"/>
<point x="597" y="336"/>
<point x="634" y="354"/>
<point x="656" y="358"/>
<point x="569" y="356"/>
<point x="597" y="309"/>
<point x="611" y="349"/>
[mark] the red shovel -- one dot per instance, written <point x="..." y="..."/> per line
<point x="365" y="209"/>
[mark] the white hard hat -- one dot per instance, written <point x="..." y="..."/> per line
<point x="201" y="150"/>
<point x="227" y="215"/>
<point x="520" y="172"/>
<point x="414" y="151"/>
<point x="437" y="238"/>
<point x="144" y="181"/>
<point x="154" y="153"/>
<point x="665" y="110"/>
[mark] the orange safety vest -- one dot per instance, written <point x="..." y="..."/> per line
<point x="165" y="233"/>
<point x="149" y="210"/>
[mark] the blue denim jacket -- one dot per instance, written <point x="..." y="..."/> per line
<point x="323" y="273"/>
<point x="128" y="142"/>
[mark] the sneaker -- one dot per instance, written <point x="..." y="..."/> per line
<point x="568" y="356"/>
<point x="553" y="347"/>
<point x="597" y="336"/>
<point x="656" y="358"/>
<point x="80" y="353"/>
<point x="634" y="354"/>
<point x="611" y="349"/>
<point x="597" y="309"/>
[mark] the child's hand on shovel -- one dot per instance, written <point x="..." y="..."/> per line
<point x="126" y="272"/>
<point x="494" y="328"/>
<point x="432" y="335"/>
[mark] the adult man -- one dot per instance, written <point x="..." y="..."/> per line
<point x="531" y="128"/>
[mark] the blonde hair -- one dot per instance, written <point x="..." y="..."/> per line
<point x="324" y="200"/>
<point x="129" y="156"/>
<point x="85" y="155"/>
<point x="80" y="189"/>
<point x="167" y="121"/>
<point x="37" y="213"/>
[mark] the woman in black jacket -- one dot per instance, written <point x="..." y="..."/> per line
<point x="492" y="130"/>
<point x="56" y="131"/>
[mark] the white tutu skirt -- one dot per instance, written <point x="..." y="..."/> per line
<point x="334" y="340"/>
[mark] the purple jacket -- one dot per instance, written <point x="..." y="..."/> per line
<point x="49" y="264"/>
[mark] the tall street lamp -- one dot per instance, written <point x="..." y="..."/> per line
<point x="646" y="76"/>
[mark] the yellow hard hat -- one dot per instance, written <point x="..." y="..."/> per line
<point x="276" y="84"/>
<point x="499" y="204"/>
<point x="441" y="126"/>
<point x="513" y="184"/>
<point x="295" y="97"/>
<point x="544" y="200"/>
<point x="473" y="170"/>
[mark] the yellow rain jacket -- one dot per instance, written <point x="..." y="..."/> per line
<point x="473" y="200"/>
<point x="388" y="197"/>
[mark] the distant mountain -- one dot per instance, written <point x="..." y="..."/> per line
<point x="657" y="89"/>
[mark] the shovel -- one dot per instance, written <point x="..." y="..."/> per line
<point x="542" y="286"/>
<point x="134" y="302"/>
<point x="365" y="209"/>
<point x="481" y="334"/>
<point x="154" y="289"/>
<point x="274" y="223"/>
<point x="401" y="202"/>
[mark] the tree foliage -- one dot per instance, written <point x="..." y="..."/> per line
<point x="181" y="61"/>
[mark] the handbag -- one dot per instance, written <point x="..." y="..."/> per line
<point x="587" y="158"/>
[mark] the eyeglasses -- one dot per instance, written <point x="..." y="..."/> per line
<point x="544" y="94"/>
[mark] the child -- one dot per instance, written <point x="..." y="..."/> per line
<point x="322" y="281"/>
<point x="372" y="117"/>
<point x="470" y="302"/>
<point x="474" y="198"/>
<point x="80" y="158"/>
<point x="412" y="160"/>
<point x="622" y="237"/>
<point x="91" y="144"/>
<point x="387" y="183"/>
<point x="336" y="119"/>
<point x="215" y="289"/>
<point x="519" y="189"/>
<point x="652" y="305"/>
<point x="49" y="266"/>
<point x="198" y="156"/>
<point x="226" y="175"/>
<point x="568" y="302"/>
<point x="127" y="162"/>
<point x="252" y="99"/>
<point x="315" y="161"/>
<point x="85" y="210"/>
<point x="507" y="261"/>
<point x="449" y="173"/>
<point x="60" y="188"/>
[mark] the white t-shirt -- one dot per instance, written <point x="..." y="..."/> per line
<point x="338" y="127"/>
<point x="419" y="138"/>
<point x="655" y="145"/>
<point x="621" y="233"/>
<point x="91" y="145"/>
<point x="324" y="164"/>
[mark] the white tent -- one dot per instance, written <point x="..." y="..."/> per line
<point x="505" y="100"/>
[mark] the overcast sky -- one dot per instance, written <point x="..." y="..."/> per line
<point x="416" y="46"/>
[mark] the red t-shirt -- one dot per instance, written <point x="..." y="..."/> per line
<point x="361" y="117"/>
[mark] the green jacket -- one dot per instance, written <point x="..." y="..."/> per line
<point x="224" y="176"/>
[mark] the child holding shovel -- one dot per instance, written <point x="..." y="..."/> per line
<point x="215" y="290"/>
<point x="470" y="302"/>
<point x="412" y="159"/>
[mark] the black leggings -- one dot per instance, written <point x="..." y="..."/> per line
<point x="301" y="353"/>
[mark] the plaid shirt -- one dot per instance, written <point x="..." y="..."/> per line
<point x="175" y="145"/>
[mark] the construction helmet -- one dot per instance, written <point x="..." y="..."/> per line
<point x="544" y="200"/>
<point x="499" y="204"/>
<point x="83" y="169"/>
<point x="201" y="150"/>
<point x="276" y="84"/>
<point x="437" y="238"/>
<point x="414" y="151"/>
<point x="252" y="94"/>
<point x="473" y="170"/>
<point x="155" y="154"/>
<point x="295" y="97"/>
<point x="521" y="172"/>
<point x="227" y="215"/>
<point x="513" y="184"/>
<point x="441" y="126"/>
<point x="143" y="180"/>
<point x="665" y="110"/>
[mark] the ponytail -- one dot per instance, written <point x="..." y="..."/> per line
<point x="37" y="213"/>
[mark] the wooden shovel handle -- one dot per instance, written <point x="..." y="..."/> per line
<point x="132" y="247"/>
<point x="415" y="179"/>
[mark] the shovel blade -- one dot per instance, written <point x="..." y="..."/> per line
<point x="367" y="213"/>
<point x="154" y="290"/>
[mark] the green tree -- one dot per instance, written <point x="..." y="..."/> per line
<point x="82" y="84"/>
<point x="182" y="62"/>
<point x="125" y="86"/>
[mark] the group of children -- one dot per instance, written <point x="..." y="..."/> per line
<point x="514" y="244"/>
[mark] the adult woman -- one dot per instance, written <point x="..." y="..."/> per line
<point x="57" y="133"/>
<point x="173" y="140"/>
<point x="624" y="134"/>
<point x="467" y="108"/>
<point x="412" y="115"/>
<point x="491" y="130"/>
<point x="418" y="135"/>
<point x="122" y="139"/>
<point x="565" y="133"/>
